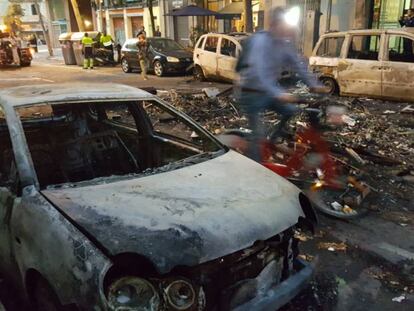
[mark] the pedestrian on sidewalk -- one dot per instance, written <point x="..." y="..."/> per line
<point x="407" y="21"/>
<point x="157" y="32"/>
<point x="142" y="47"/>
<point x="87" y="48"/>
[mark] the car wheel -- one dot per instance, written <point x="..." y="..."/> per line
<point x="158" y="69"/>
<point x="44" y="298"/>
<point x="125" y="65"/>
<point x="198" y="73"/>
<point x="331" y="85"/>
<point x="25" y="64"/>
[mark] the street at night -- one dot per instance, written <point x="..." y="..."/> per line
<point x="228" y="156"/>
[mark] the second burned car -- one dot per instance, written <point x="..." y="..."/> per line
<point x="109" y="201"/>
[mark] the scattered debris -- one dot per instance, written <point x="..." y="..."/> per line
<point x="399" y="298"/>
<point x="211" y="92"/>
<point x="348" y="120"/>
<point x="336" y="206"/>
<point x="389" y="112"/>
<point x="355" y="155"/>
<point x="331" y="246"/>
<point x="407" y="109"/>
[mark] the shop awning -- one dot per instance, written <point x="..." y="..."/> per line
<point x="231" y="11"/>
<point x="192" y="10"/>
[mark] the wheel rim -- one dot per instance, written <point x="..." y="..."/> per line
<point x="198" y="73"/>
<point x="158" y="68"/>
<point x="330" y="84"/>
<point x="125" y="66"/>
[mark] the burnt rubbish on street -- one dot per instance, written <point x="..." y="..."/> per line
<point x="145" y="181"/>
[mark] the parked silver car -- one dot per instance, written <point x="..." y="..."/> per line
<point x="110" y="199"/>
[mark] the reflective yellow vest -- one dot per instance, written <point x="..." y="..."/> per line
<point x="106" y="40"/>
<point x="87" y="41"/>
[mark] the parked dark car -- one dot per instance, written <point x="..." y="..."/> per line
<point x="165" y="55"/>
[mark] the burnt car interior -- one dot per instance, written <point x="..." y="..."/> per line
<point x="77" y="142"/>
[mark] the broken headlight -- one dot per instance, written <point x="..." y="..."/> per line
<point x="132" y="293"/>
<point x="180" y="295"/>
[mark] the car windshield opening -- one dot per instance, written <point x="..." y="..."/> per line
<point x="77" y="142"/>
<point x="165" y="45"/>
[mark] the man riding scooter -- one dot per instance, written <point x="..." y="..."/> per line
<point x="261" y="63"/>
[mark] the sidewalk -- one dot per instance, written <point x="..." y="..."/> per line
<point x="384" y="240"/>
<point x="43" y="54"/>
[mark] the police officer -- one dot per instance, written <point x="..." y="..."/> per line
<point x="108" y="43"/>
<point x="87" y="45"/>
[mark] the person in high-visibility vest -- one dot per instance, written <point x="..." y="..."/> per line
<point x="107" y="42"/>
<point x="87" y="45"/>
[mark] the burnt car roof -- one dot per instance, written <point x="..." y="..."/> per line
<point x="69" y="92"/>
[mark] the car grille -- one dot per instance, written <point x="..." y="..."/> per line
<point x="219" y="276"/>
<point x="186" y="59"/>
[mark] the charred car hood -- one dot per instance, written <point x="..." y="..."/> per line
<point x="187" y="216"/>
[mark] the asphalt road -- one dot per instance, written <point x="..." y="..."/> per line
<point x="345" y="280"/>
<point x="44" y="71"/>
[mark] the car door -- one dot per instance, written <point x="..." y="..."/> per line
<point x="132" y="53"/>
<point x="227" y="58"/>
<point x="398" y="68"/>
<point x="359" y="73"/>
<point x="207" y="56"/>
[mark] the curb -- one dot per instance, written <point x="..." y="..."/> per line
<point x="378" y="240"/>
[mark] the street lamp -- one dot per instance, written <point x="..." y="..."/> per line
<point x="292" y="16"/>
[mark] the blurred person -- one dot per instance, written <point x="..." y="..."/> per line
<point x="142" y="31"/>
<point x="87" y="49"/>
<point x="33" y="42"/>
<point x="263" y="59"/>
<point x="157" y="32"/>
<point x="108" y="43"/>
<point x="142" y="46"/>
<point x="407" y="20"/>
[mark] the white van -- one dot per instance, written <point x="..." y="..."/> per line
<point x="215" y="56"/>
<point x="375" y="63"/>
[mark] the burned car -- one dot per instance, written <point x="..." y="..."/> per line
<point x="376" y="63"/>
<point x="110" y="199"/>
<point x="11" y="53"/>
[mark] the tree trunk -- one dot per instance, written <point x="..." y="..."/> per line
<point x="77" y="15"/>
<point x="42" y="24"/>
<point x="248" y="16"/>
<point x="151" y="11"/>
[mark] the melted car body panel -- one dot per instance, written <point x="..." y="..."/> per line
<point x="206" y="210"/>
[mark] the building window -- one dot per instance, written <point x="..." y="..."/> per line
<point x="364" y="47"/>
<point x="34" y="11"/>
<point x="331" y="47"/>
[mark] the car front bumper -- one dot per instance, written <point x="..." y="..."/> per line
<point x="178" y="67"/>
<point x="278" y="295"/>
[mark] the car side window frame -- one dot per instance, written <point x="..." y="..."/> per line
<point x="219" y="44"/>
<point x="341" y="50"/>
<point x="21" y="152"/>
<point x="349" y="41"/>
<point x="387" y="45"/>
<point x="201" y="42"/>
